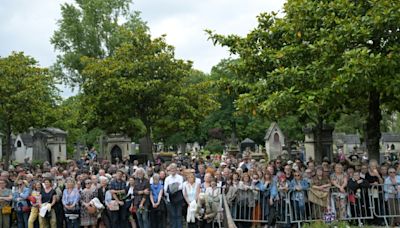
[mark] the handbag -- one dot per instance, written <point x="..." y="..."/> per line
<point x="26" y="209"/>
<point x="113" y="206"/>
<point x="91" y="210"/>
<point x="6" y="210"/>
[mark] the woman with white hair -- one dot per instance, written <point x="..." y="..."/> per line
<point x="141" y="191"/>
<point x="206" y="211"/>
<point x="101" y="193"/>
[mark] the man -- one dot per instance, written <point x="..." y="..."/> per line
<point x="117" y="189"/>
<point x="141" y="200"/>
<point x="288" y="172"/>
<point x="173" y="191"/>
<point x="201" y="173"/>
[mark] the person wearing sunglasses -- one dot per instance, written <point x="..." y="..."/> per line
<point x="392" y="195"/>
<point x="299" y="186"/>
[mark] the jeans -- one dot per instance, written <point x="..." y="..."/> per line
<point x="119" y="219"/>
<point x="143" y="218"/>
<point x="22" y="219"/>
<point x="156" y="216"/>
<point x="175" y="215"/>
<point x="72" y="223"/>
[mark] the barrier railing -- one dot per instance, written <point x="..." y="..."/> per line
<point x="386" y="198"/>
<point x="361" y="204"/>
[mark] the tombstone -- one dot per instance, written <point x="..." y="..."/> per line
<point x="114" y="146"/>
<point x="310" y="144"/>
<point x="274" y="141"/>
<point x="247" y="144"/>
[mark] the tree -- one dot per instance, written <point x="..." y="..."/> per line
<point x="69" y="117"/>
<point x="137" y="86"/>
<point x="323" y="58"/>
<point x="27" y="97"/>
<point x="90" y="28"/>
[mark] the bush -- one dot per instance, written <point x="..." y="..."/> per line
<point x="214" y="146"/>
<point x="37" y="162"/>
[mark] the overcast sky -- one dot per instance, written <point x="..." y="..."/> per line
<point x="27" y="25"/>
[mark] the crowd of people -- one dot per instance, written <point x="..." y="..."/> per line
<point x="186" y="192"/>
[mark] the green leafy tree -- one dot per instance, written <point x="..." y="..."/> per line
<point x="69" y="117"/>
<point x="27" y="97"/>
<point x="323" y="58"/>
<point x="90" y="28"/>
<point x="137" y="86"/>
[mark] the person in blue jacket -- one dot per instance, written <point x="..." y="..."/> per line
<point x="20" y="204"/>
<point x="298" y="187"/>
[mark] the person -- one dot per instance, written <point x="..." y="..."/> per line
<point x="49" y="199"/>
<point x="191" y="191"/>
<point x="117" y="189"/>
<point x="58" y="207"/>
<point x="70" y="201"/>
<point x="88" y="218"/>
<point x="392" y="195"/>
<point x="156" y="207"/>
<point x="358" y="195"/>
<point x="319" y="192"/>
<point x="141" y="192"/>
<point x="269" y="196"/>
<point x="5" y="199"/>
<point x="299" y="186"/>
<point x="129" y="200"/>
<point x="20" y="204"/>
<point x="36" y="201"/>
<point x="246" y="201"/>
<point x="101" y="193"/>
<point x="173" y="190"/>
<point x="339" y="180"/>
<point x="206" y="211"/>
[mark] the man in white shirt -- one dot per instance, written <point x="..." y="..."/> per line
<point x="173" y="191"/>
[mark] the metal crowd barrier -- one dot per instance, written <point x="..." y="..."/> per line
<point x="375" y="202"/>
<point x="386" y="200"/>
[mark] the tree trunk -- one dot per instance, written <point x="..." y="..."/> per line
<point x="7" y="151"/>
<point x="318" y="140"/>
<point x="373" y="131"/>
<point x="146" y="145"/>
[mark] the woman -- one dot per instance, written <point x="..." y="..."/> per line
<point x="20" y="204"/>
<point x="207" y="182"/>
<point x="5" y="199"/>
<point x="101" y="193"/>
<point x="270" y="194"/>
<point x="129" y="200"/>
<point x="392" y="195"/>
<point x="36" y="201"/>
<point x="191" y="191"/>
<point x="358" y="195"/>
<point x="339" y="180"/>
<point x="318" y="194"/>
<point x="70" y="202"/>
<point x="156" y="193"/>
<point x="246" y="201"/>
<point x="299" y="186"/>
<point x="206" y="211"/>
<point x="49" y="199"/>
<point x="87" y="218"/>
